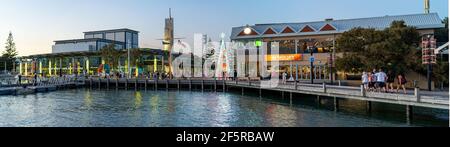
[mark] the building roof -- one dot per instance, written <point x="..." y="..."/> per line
<point x="86" y="40"/>
<point x="90" y="53"/>
<point x="111" y="31"/>
<point x="420" y="21"/>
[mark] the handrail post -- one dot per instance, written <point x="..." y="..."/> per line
<point x="167" y="84"/>
<point x="324" y="86"/>
<point x="296" y="85"/>
<point x="363" y="91"/>
<point x="417" y="93"/>
<point x="190" y="84"/>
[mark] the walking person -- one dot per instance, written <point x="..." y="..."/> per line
<point x="284" y="77"/>
<point x="401" y="83"/>
<point x="365" y="80"/>
<point x="390" y="82"/>
<point x="381" y="80"/>
<point x="371" y="78"/>
<point x="374" y="79"/>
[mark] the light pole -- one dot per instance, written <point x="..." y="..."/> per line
<point x="128" y="63"/>
<point x="258" y="44"/>
<point x="430" y="45"/>
<point x="330" y="65"/>
<point x="311" y="49"/>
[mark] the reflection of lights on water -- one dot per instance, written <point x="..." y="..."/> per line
<point x="138" y="99"/>
<point x="88" y="99"/>
<point x="275" y="113"/>
<point x="224" y="112"/>
<point x="154" y="101"/>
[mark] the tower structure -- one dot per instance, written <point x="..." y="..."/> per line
<point x="168" y="39"/>
<point x="427" y="6"/>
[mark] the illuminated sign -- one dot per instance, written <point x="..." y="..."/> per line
<point x="284" y="57"/>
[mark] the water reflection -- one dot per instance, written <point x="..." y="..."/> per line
<point x="137" y="100"/>
<point x="186" y="109"/>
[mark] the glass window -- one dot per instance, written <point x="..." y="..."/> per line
<point x="98" y="36"/>
<point x="120" y="36"/>
<point x="110" y="36"/>
<point x="287" y="47"/>
<point x="129" y="38"/>
<point x="135" y="40"/>
<point x="88" y="36"/>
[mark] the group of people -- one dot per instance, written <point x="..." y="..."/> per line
<point x="380" y="81"/>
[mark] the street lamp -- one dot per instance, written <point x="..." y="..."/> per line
<point x="429" y="47"/>
<point x="258" y="44"/>
<point x="311" y="47"/>
<point x="128" y="63"/>
<point x="330" y="64"/>
<point x="247" y="30"/>
<point x="311" y="59"/>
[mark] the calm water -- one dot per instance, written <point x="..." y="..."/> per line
<point x="86" y="108"/>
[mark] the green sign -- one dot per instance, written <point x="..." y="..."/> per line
<point x="258" y="43"/>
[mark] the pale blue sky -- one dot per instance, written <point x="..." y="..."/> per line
<point x="36" y="23"/>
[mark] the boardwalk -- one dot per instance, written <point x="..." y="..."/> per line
<point x="437" y="100"/>
<point x="12" y="86"/>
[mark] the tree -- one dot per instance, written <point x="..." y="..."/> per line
<point x="111" y="55"/>
<point x="365" y="49"/>
<point x="135" y="57"/>
<point x="442" y="34"/>
<point x="10" y="52"/>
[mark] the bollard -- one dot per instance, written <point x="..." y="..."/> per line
<point x="409" y="113"/>
<point x="117" y="84"/>
<point x="324" y="86"/>
<point x="190" y="84"/>
<point x="107" y="84"/>
<point x="215" y="85"/>
<point x="203" y="84"/>
<point x="363" y="91"/>
<point x="224" y="85"/>
<point x="90" y="82"/>
<point x="126" y="84"/>
<point x="296" y="85"/>
<point x="135" y="84"/>
<point x="336" y="104"/>
<point x="290" y="99"/>
<point x="167" y="84"/>
<point x="145" y="84"/>
<point x="260" y="92"/>
<point x="369" y="106"/>
<point x="417" y="93"/>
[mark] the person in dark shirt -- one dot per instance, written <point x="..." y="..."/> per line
<point x="390" y="82"/>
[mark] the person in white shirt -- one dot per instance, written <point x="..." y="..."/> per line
<point x="381" y="80"/>
<point x="365" y="80"/>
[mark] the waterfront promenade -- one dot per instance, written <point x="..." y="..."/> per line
<point x="437" y="100"/>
